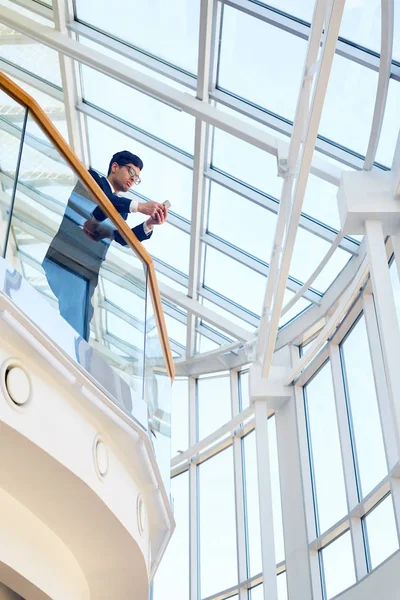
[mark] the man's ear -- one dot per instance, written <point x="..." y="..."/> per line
<point x="114" y="167"/>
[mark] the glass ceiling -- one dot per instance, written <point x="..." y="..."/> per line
<point x="255" y="73"/>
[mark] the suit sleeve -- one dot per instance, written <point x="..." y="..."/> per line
<point x="121" y="204"/>
<point x="138" y="231"/>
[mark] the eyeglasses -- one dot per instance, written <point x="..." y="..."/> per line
<point x="135" y="177"/>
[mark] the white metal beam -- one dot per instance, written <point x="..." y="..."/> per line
<point x="387" y="30"/>
<point x="315" y="111"/>
<point x="208" y="10"/>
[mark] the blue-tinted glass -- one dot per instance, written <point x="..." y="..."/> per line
<point x="254" y="565"/>
<point x="390" y="127"/>
<point x="364" y="408"/>
<point x="244" y="390"/>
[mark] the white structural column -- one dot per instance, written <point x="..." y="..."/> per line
<point x="239" y="488"/>
<point x="208" y="10"/>
<point x="193" y="497"/>
<point x="265" y="501"/>
<point x="347" y="461"/>
<point x="63" y="14"/>
<point x="386" y="314"/>
<point x="387" y="424"/>
<point x="297" y="555"/>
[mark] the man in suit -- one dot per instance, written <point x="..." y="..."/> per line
<point x="76" y="253"/>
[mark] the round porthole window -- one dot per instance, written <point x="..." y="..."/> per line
<point x="100" y="456"/>
<point x="16" y="383"/>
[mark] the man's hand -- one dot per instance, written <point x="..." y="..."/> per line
<point x="151" y="209"/>
<point x="97" y="231"/>
<point x="158" y="219"/>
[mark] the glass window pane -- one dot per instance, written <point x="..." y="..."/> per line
<point x="241" y="222"/>
<point x="282" y="586"/>
<point x="391" y="125"/>
<point x="303" y="10"/>
<point x="218" y="554"/>
<point x="338" y="566"/>
<point x="168" y="30"/>
<point x="361" y="23"/>
<point x="251" y="67"/>
<point x="173" y="572"/>
<point x="179" y="416"/>
<point x="213" y="404"/>
<point x="38" y="59"/>
<point x="234" y="280"/>
<point x="173" y="126"/>
<point x="325" y="448"/>
<point x="363" y="407"/>
<point x="349" y="104"/>
<point x="320" y="201"/>
<point x="381" y="532"/>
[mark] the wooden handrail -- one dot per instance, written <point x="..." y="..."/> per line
<point x="40" y="117"/>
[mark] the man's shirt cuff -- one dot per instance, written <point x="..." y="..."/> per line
<point x="147" y="230"/>
<point x="133" y="207"/>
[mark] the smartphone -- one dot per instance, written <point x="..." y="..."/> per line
<point x="167" y="204"/>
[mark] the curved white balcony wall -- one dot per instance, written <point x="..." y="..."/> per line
<point x="84" y="511"/>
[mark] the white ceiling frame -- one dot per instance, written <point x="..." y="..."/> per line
<point x="276" y="288"/>
<point x="387" y="31"/>
<point x="30" y="79"/>
<point x="207" y="35"/>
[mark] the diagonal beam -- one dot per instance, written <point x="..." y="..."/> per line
<point x="276" y="285"/>
<point x="385" y="65"/>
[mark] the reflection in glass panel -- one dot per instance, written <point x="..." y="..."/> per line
<point x="324" y="445"/>
<point x="246" y="163"/>
<point x="223" y="273"/>
<point x="253" y="534"/>
<point x="349" y="104"/>
<point x="363" y="408"/>
<point x="250" y="66"/>
<point x="35" y="58"/>
<point x="241" y="222"/>
<point x="10" y="143"/>
<point x="381" y="531"/>
<point x="173" y="572"/>
<point x="244" y="394"/>
<point x="160" y="174"/>
<point x="213" y="404"/>
<point x="179" y="416"/>
<point x="168" y="30"/>
<point x="338" y="566"/>
<point x="218" y="554"/>
<point x="168" y="124"/>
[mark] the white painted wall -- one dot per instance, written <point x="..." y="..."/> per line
<point x="382" y="583"/>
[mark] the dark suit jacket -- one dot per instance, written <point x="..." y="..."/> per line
<point x="70" y="247"/>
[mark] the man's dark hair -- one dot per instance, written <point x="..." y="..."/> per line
<point x="124" y="158"/>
